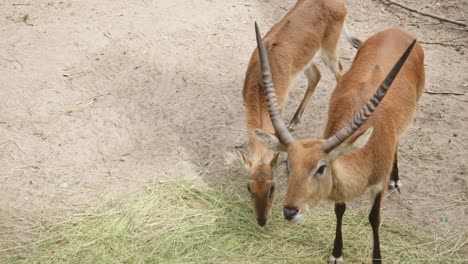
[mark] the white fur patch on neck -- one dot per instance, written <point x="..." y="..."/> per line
<point x="348" y="182"/>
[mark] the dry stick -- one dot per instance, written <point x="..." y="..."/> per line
<point x="390" y="2"/>
<point x="444" y="93"/>
<point x="442" y="44"/>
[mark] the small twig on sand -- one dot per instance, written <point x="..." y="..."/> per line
<point x="461" y="29"/>
<point x="390" y="2"/>
<point x="18" y="146"/>
<point x="442" y="44"/>
<point x="91" y="100"/>
<point x="88" y="104"/>
<point x="104" y="161"/>
<point x="444" y="93"/>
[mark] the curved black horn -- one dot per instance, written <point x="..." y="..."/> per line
<point x="359" y="119"/>
<point x="281" y="130"/>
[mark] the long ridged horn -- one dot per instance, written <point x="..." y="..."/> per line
<point x="359" y="119"/>
<point x="281" y="130"/>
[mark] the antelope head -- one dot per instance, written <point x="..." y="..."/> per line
<point x="261" y="185"/>
<point x="310" y="179"/>
<point x="311" y="160"/>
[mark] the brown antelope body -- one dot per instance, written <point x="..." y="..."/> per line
<point x="361" y="139"/>
<point x="309" y="27"/>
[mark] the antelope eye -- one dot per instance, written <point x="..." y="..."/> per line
<point x="321" y="169"/>
<point x="272" y="189"/>
<point x="248" y="189"/>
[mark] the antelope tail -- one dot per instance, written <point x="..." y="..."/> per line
<point x="355" y="42"/>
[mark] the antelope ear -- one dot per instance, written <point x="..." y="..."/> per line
<point x="357" y="144"/>
<point x="279" y="158"/>
<point x="269" y="140"/>
<point x="274" y="160"/>
<point x="244" y="159"/>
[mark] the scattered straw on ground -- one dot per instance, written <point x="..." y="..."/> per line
<point x="179" y="222"/>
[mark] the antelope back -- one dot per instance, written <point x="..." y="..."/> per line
<point x="373" y="61"/>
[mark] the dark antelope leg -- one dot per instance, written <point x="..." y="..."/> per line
<point x="337" y="256"/>
<point x="374" y="219"/>
<point x="395" y="182"/>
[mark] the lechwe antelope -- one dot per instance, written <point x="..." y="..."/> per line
<point x="311" y="26"/>
<point x="359" y="149"/>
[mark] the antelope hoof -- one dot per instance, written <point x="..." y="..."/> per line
<point x="294" y="122"/>
<point x="392" y="185"/>
<point x="334" y="260"/>
<point x="291" y="127"/>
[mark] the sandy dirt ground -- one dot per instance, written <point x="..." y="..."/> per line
<point x="103" y="97"/>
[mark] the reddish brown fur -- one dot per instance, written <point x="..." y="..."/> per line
<point x="354" y="172"/>
<point x="291" y="44"/>
<point x="351" y="174"/>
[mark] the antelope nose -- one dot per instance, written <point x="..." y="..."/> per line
<point x="261" y="222"/>
<point x="290" y="213"/>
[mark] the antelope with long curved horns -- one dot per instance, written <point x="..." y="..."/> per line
<point x="293" y="45"/>
<point x="359" y="150"/>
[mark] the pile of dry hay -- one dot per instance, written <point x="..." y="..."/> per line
<point x="181" y="222"/>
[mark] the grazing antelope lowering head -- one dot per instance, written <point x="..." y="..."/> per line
<point x="359" y="150"/>
<point x="293" y="45"/>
